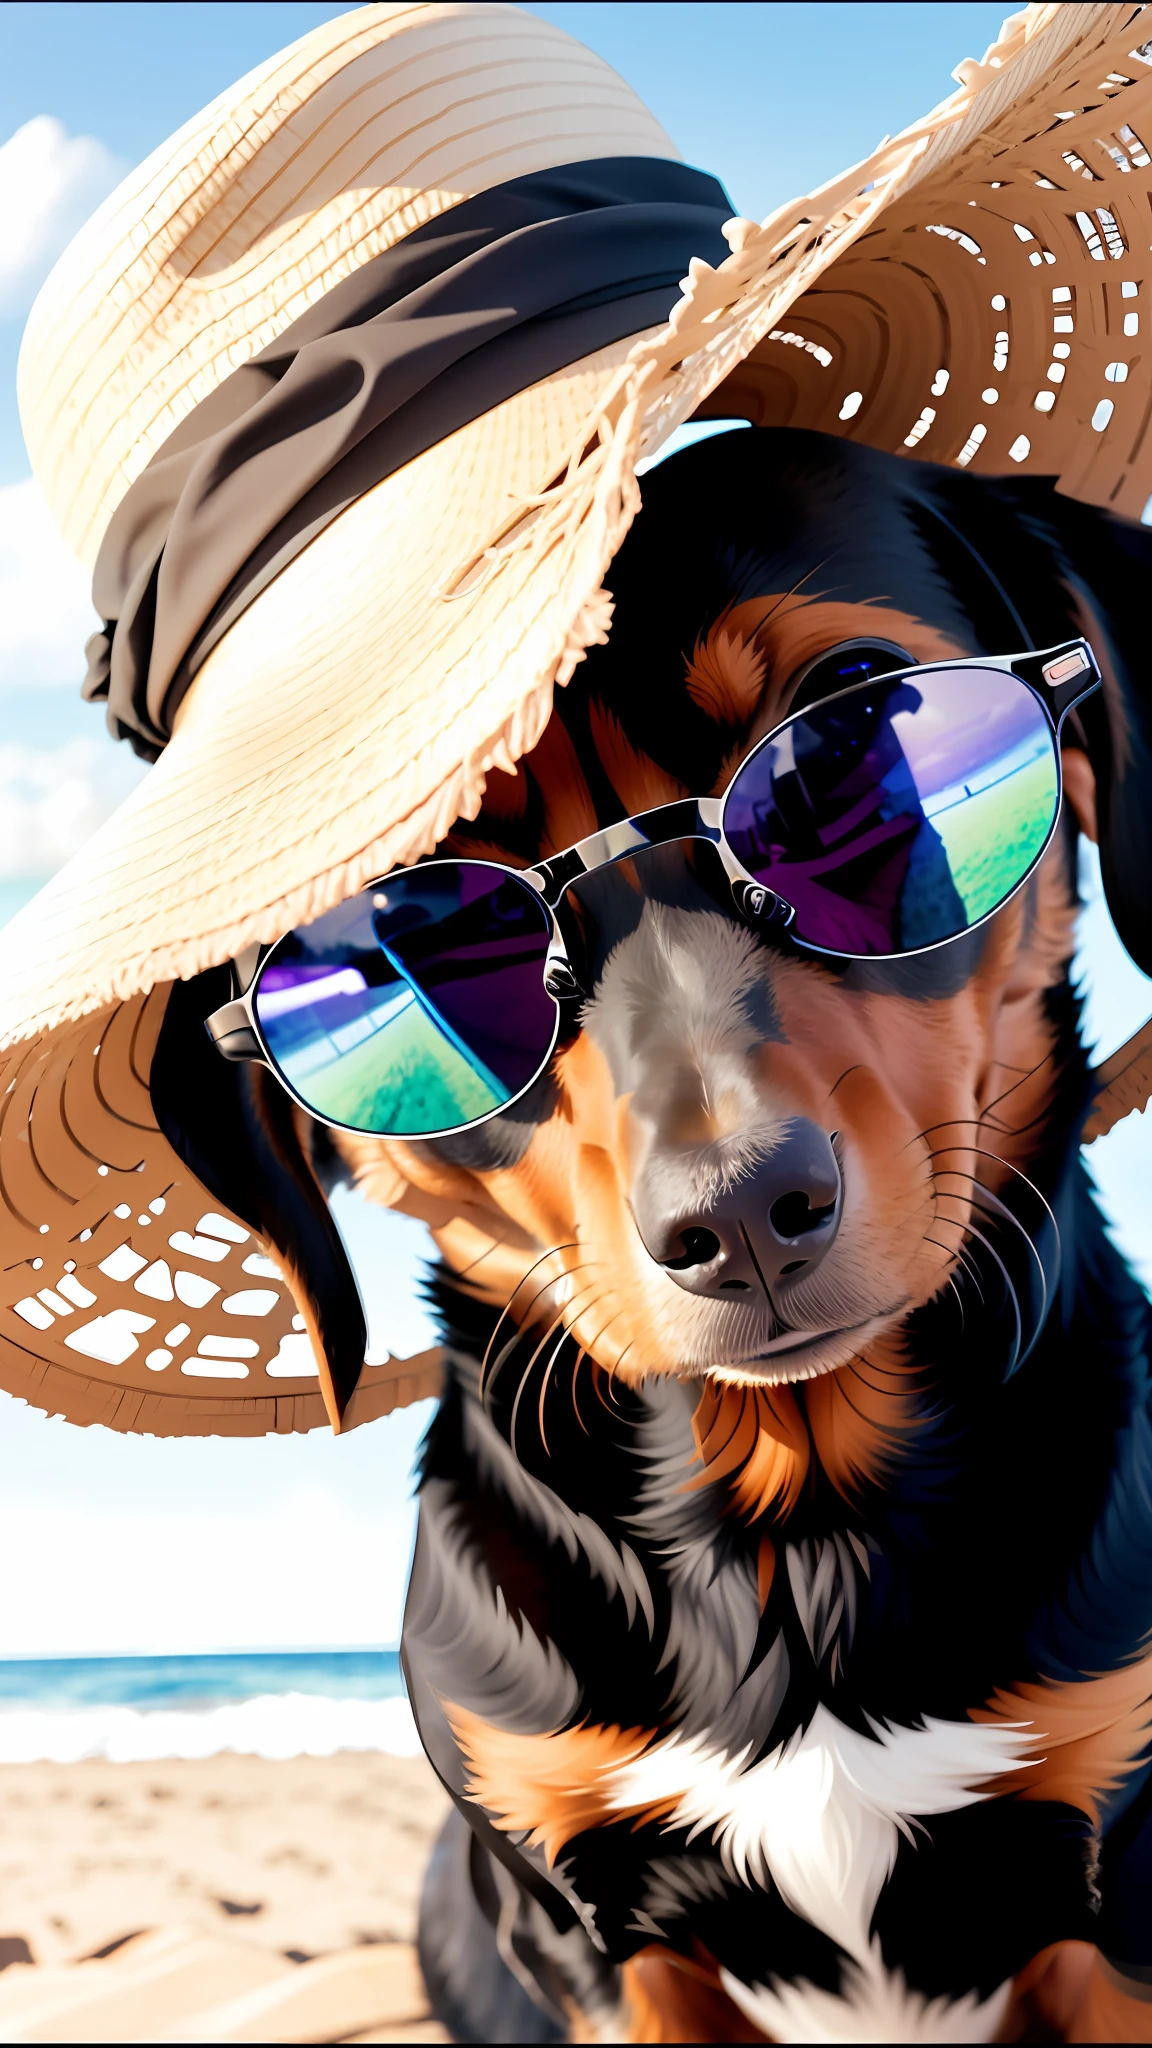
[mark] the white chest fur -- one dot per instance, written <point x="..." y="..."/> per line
<point x="821" y="1818"/>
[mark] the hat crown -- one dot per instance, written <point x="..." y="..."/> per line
<point x="317" y="161"/>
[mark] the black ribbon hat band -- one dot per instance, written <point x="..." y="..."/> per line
<point x="478" y="304"/>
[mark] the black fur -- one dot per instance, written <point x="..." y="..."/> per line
<point x="1019" y="1537"/>
<point x="565" y="1574"/>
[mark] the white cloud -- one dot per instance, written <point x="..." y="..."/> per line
<point x="44" y="597"/>
<point x="52" y="797"/>
<point x="50" y="182"/>
<point x="52" y="800"/>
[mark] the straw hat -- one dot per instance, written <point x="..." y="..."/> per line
<point x="972" y="294"/>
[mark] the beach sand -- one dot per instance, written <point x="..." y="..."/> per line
<point x="305" y="1858"/>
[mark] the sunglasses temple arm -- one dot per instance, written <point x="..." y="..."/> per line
<point x="232" y="1030"/>
<point x="1069" y="698"/>
<point x="1062" y="677"/>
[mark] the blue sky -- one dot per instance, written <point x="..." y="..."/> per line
<point x="130" y="1544"/>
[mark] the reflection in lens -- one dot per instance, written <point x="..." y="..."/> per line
<point x="901" y="813"/>
<point x="418" y="1005"/>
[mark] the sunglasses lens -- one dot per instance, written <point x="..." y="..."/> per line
<point x="417" y="1006"/>
<point x="900" y="813"/>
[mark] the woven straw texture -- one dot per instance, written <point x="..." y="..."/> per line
<point x="310" y="166"/>
<point x="128" y="1297"/>
<point x="971" y="294"/>
<point x="360" y="703"/>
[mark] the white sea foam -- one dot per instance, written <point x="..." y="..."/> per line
<point x="273" y="1725"/>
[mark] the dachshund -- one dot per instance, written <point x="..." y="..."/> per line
<point x="808" y="1699"/>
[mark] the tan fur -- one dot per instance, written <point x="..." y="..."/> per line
<point x="905" y="1083"/>
<point x="550" y="1786"/>
<point x="886" y="1070"/>
<point x="467" y="846"/>
<point x="924" y="1095"/>
<point x="669" y="1997"/>
<point x="725" y="675"/>
<point x="799" y="628"/>
<point x="743" y="668"/>
<point x="1110" y="2009"/>
<point x="506" y="795"/>
<point x="1088" y="1735"/>
<point x="638" y="781"/>
<point x="569" y="812"/>
<point x="1069" y="1993"/>
<point x="755" y="1438"/>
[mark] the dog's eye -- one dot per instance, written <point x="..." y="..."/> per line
<point x="853" y="661"/>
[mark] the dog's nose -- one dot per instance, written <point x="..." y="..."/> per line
<point x="773" y="1225"/>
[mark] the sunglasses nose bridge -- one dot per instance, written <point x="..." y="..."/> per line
<point x="757" y="905"/>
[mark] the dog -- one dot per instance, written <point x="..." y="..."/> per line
<point x="780" y="1606"/>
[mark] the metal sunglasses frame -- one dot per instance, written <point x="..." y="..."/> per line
<point x="1059" y="678"/>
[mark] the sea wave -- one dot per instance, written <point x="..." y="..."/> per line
<point x="277" y="1725"/>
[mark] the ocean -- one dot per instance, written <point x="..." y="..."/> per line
<point x="140" y="1709"/>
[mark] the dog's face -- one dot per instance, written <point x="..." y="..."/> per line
<point x="746" y="1162"/>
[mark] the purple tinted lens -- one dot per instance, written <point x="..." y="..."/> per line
<point x="901" y="812"/>
<point x="417" y="1006"/>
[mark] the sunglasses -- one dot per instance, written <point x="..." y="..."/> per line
<point x="882" y="821"/>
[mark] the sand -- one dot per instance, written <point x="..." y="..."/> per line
<point x="304" y="1858"/>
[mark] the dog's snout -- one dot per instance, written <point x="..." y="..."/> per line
<point x="772" y="1224"/>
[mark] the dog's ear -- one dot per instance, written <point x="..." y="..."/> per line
<point x="1108" y="577"/>
<point x="1046" y="566"/>
<point x="237" y="1131"/>
<point x="1039" y="566"/>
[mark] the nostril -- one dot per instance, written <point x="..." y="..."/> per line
<point x="793" y="1215"/>
<point x="793" y="1266"/>
<point x="700" y="1248"/>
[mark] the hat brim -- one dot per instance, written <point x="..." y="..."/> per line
<point x="130" y="1297"/>
<point x="355" y="711"/>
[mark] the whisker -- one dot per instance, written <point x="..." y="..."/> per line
<point x="510" y="1347"/>
<point x="951" y="1222"/>
<point x="600" y="1369"/>
<point x="559" y="1346"/>
<point x="940" y="1247"/>
<point x="551" y="1253"/>
<point x="1006" y="1130"/>
<point x="499" y="1240"/>
<point x="1009" y="1284"/>
<point x="516" y="1408"/>
<point x="506" y="1311"/>
<point x="886" y="1429"/>
<point x="619" y="1362"/>
<point x="888" y="1372"/>
<point x="736" y="1426"/>
<point x="962" y="1258"/>
<point x="1027" y="1074"/>
<point x="981" y="1153"/>
<point x="554" y="1325"/>
<point x="596" y="1378"/>
<point x="577" y="1362"/>
<point x="1000" y="1209"/>
<point x="854" y="1069"/>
